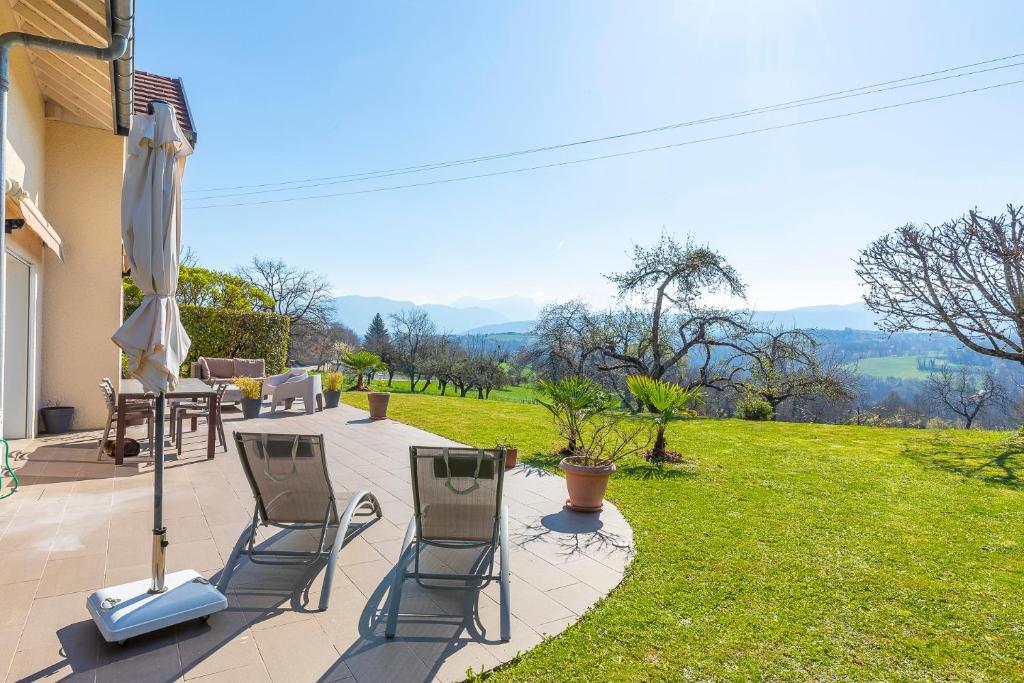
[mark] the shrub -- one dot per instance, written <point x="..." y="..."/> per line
<point x="220" y="333"/>
<point x="573" y="402"/>
<point x="333" y="381"/>
<point x="250" y="387"/>
<point x="753" y="407"/>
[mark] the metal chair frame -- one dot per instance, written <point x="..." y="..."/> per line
<point x="411" y="551"/>
<point x="362" y="504"/>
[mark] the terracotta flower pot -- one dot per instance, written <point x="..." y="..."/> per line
<point x="511" y="455"/>
<point x="331" y="399"/>
<point x="378" y="401"/>
<point x="586" y="485"/>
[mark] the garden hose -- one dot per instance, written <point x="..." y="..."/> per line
<point x="7" y="466"/>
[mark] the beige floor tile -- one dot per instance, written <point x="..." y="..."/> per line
<point x="53" y="664"/>
<point x="578" y="597"/>
<point x="72" y="575"/>
<point x="250" y="673"/>
<point x="299" y="651"/>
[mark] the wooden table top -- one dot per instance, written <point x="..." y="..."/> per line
<point x="187" y="386"/>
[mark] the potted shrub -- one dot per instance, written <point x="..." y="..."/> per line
<point x="511" y="452"/>
<point x="332" y="388"/>
<point x="596" y="438"/>
<point x="252" y="396"/>
<point x="57" y="419"/>
<point x="378" y="399"/>
<point x="601" y="441"/>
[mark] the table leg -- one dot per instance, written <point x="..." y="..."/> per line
<point x="119" y="433"/>
<point x="211" y="428"/>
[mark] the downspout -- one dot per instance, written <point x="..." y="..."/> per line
<point x="117" y="47"/>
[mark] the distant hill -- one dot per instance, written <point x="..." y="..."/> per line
<point x="357" y="312"/>
<point x="471" y="315"/>
<point x="828" y="317"/>
<point x="513" y="327"/>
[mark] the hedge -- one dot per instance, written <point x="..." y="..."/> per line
<point x="220" y="333"/>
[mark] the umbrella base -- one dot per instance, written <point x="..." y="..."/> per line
<point x="129" y="610"/>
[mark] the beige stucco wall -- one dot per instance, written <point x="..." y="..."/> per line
<point x="82" y="296"/>
<point x="26" y="140"/>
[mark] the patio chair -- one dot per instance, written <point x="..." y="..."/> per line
<point x="285" y="387"/>
<point x="136" y="413"/>
<point x="457" y="505"/>
<point x="289" y="479"/>
<point x="194" y="411"/>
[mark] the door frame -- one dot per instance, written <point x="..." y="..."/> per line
<point x="31" y="383"/>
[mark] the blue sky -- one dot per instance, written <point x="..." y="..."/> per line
<point x="335" y="88"/>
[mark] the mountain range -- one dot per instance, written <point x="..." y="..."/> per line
<point x="472" y="315"/>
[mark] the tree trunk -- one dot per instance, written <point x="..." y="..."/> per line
<point x="659" y="452"/>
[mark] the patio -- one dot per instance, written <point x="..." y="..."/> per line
<point x="77" y="525"/>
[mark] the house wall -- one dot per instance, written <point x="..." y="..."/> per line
<point x="82" y="306"/>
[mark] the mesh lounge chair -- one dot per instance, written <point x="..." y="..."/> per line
<point x="289" y="479"/>
<point x="456" y="504"/>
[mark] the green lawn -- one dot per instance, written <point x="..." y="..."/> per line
<point x="524" y="393"/>
<point x="901" y="367"/>
<point x="790" y="552"/>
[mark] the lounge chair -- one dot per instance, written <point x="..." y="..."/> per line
<point x="293" y="384"/>
<point x="456" y="504"/>
<point x="289" y="479"/>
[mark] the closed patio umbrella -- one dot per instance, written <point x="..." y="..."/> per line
<point x="156" y="344"/>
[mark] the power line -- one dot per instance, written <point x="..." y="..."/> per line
<point x="616" y="155"/>
<point x="875" y="88"/>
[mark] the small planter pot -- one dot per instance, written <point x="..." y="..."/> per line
<point x="511" y="457"/>
<point x="378" y="404"/>
<point x="251" y="408"/>
<point x="331" y="399"/>
<point x="586" y="485"/>
<point x="57" y="419"/>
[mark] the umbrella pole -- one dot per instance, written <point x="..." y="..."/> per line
<point x="159" y="530"/>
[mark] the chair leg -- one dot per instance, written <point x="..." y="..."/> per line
<point x="229" y="568"/>
<point x="106" y="435"/>
<point x="395" y="597"/>
<point x="357" y="501"/>
<point x="149" y="431"/>
<point x="505" y="606"/>
<point x="180" y="416"/>
<point x="220" y="433"/>
<point x="171" y="410"/>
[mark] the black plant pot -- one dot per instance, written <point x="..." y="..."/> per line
<point x="331" y="399"/>
<point x="57" y="419"/>
<point x="251" y="407"/>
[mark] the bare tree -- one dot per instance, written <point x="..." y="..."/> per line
<point x="964" y="278"/>
<point x="302" y="295"/>
<point x="411" y="332"/>
<point x="782" y="364"/>
<point x="672" y="280"/>
<point x="963" y="394"/>
<point x="566" y="339"/>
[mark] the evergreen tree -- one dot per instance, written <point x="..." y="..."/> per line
<point x="377" y="337"/>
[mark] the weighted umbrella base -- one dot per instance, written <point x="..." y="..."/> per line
<point x="129" y="610"/>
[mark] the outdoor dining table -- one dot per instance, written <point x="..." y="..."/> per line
<point x="188" y="387"/>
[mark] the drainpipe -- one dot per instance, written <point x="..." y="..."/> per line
<point x="117" y="47"/>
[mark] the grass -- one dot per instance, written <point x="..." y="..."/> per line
<point x="790" y="552"/>
<point x="900" y="367"/>
<point x="524" y="393"/>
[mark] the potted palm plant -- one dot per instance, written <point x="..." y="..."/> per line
<point x="332" y="382"/>
<point x="668" y="402"/>
<point x="596" y="438"/>
<point x="602" y="441"/>
<point x="251" y="389"/>
<point x="378" y="400"/>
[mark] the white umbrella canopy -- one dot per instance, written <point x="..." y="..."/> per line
<point x="152" y="337"/>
